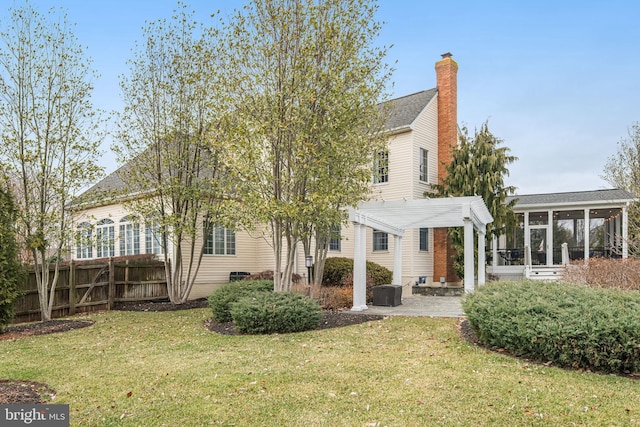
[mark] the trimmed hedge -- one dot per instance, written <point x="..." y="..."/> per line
<point x="221" y="299"/>
<point x="275" y="312"/>
<point x="337" y="271"/>
<point x="569" y="325"/>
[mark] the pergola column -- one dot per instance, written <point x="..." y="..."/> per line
<point x="360" y="268"/>
<point x="482" y="232"/>
<point x="469" y="280"/>
<point x="397" y="260"/>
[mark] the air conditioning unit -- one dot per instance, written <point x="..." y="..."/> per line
<point x="387" y="295"/>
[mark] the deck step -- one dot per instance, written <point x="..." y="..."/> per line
<point x="438" y="291"/>
<point x="545" y="273"/>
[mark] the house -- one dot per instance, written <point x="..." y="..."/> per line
<point x="422" y="129"/>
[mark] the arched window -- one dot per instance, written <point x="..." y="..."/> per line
<point x="84" y="241"/>
<point x="129" y="236"/>
<point x="105" y="238"/>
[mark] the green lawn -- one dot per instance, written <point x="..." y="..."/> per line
<point x="165" y="369"/>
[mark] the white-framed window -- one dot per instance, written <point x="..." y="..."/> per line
<point x="380" y="241"/>
<point x="153" y="239"/>
<point x="84" y="241"/>
<point x="424" y="165"/>
<point x="219" y="241"/>
<point x="381" y="167"/>
<point x="335" y="242"/>
<point x="105" y="238"/>
<point x="424" y="239"/>
<point x="129" y="236"/>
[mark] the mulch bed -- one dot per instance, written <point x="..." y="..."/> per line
<point x="42" y="328"/>
<point x="14" y="391"/>
<point x="330" y="319"/>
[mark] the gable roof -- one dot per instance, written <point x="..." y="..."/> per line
<point x="404" y="110"/>
<point x="104" y="191"/>
<point x="607" y="196"/>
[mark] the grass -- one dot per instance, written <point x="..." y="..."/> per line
<point x="165" y="369"/>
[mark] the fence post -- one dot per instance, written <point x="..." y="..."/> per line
<point x="126" y="274"/>
<point x="72" y="288"/>
<point x="167" y="278"/>
<point x="112" y="284"/>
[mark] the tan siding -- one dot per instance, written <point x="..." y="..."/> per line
<point x="425" y="135"/>
<point x="215" y="269"/>
<point x="399" y="170"/>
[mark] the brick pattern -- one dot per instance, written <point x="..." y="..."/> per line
<point x="447" y="82"/>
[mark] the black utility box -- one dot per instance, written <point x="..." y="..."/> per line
<point x="235" y="276"/>
<point x="389" y="295"/>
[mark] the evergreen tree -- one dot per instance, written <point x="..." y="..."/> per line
<point x="478" y="168"/>
<point x="10" y="268"/>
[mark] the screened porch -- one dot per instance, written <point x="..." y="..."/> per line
<point x="589" y="224"/>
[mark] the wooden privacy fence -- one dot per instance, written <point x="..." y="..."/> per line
<point x="92" y="286"/>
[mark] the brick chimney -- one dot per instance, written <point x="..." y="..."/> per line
<point x="447" y="84"/>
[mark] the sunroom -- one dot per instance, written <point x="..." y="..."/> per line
<point x="553" y="229"/>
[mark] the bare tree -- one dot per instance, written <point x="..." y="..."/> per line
<point x="169" y="132"/>
<point x="304" y="79"/>
<point x="622" y="170"/>
<point x="49" y="130"/>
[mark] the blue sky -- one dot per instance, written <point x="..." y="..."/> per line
<point x="558" y="81"/>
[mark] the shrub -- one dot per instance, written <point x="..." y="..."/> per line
<point x="348" y="281"/>
<point x="605" y="273"/>
<point x="569" y="325"/>
<point x="379" y="275"/>
<point x="221" y="299"/>
<point x="337" y="271"/>
<point x="275" y="312"/>
<point x="336" y="297"/>
<point x="11" y="271"/>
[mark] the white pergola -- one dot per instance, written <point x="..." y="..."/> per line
<point x="394" y="217"/>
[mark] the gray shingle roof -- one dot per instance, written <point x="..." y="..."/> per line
<point x="575" y="197"/>
<point x="111" y="186"/>
<point x="404" y="110"/>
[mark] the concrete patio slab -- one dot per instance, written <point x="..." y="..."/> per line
<point x="418" y="305"/>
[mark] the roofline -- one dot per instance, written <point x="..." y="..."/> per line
<point x="593" y="203"/>
<point x="581" y="203"/>
<point x="122" y="198"/>
<point x="408" y="128"/>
